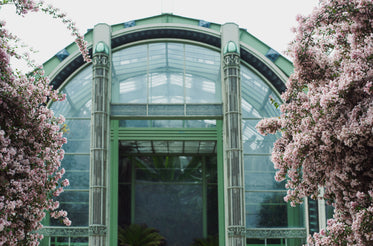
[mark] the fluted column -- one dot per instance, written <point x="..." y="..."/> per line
<point x="233" y="157"/>
<point x="100" y="121"/>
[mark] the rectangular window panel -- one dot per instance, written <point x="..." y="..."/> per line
<point x="253" y="142"/>
<point x="79" y="179"/>
<point x="269" y="210"/>
<point x="259" y="174"/>
<point x="76" y="205"/>
<point x="78" y="134"/>
<point x="161" y="206"/>
<point x="76" y="162"/>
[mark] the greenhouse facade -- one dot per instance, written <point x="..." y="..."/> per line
<point x="161" y="132"/>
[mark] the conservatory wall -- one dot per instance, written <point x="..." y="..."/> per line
<point x="161" y="132"/>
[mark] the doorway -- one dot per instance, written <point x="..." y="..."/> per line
<point x="170" y="186"/>
<point x="174" y="194"/>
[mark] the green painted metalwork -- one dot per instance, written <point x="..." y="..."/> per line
<point x="169" y="134"/>
<point x="245" y="37"/>
<point x="220" y="164"/>
<point x="113" y="206"/>
<point x="204" y="199"/>
<point x="166" y="134"/>
<point x="231" y="47"/>
<point x="101" y="47"/>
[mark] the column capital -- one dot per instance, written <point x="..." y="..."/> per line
<point x="97" y="230"/>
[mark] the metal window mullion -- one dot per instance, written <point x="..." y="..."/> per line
<point x="204" y="198"/>
<point x="184" y="78"/>
<point x="147" y="79"/>
<point x="133" y="189"/>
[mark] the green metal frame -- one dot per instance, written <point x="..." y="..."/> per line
<point x="118" y="133"/>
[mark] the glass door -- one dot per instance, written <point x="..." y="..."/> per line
<point x="168" y="178"/>
<point x="174" y="194"/>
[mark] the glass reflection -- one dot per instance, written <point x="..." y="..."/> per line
<point x="166" y="73"/>
<point x="78" y="136"/>
<point x="269" y="210"/>
<point x="78" y="96"/>
<point x="259" y="174"/>
<point x="253" y="142"/>
<point x="167" y="193"/>
<point x="256" y="96"/>
<point x="76" y="204"/>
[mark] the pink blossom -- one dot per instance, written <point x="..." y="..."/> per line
<point x="65" y="183"/>
<point x="31" y="139"/>
<point x="327" y="119"/>
<point x="66" y="221"/>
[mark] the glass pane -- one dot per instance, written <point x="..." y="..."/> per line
<point x="258" y="163"/>
<point x="212" y="210"/>
<point x="134" y="123"/>
<point x="78" y="179"/>
<point x="262" y="181"/>
<point x="256" y="96"/>
<point x="59" y="241"/>
<point x="211" y="165"/>
<point x="76" y="205"/>
<point x="79" y="241"/>
<point x="259" y="174"/>
<point x="166" y="73"/>
<point x="167" y="123"/>
<point x="76" y="162"/>
<point x="133" y="90"/>
<point x="125" y="170"/>
<point x="175" y="56"/>
<point x="65" y="241"/>
<point x="200" y="123"/>
<point x="77" y="171"/>
<point x="168" y="169"/>
<point x="129" y="75"/>
<point x="78" y="136"/>
<point x="168" y="147"/>
<point x="169" y="196"/>
<point x="166" y="87"/>
<point x="202" y="81"/>
<point x="253" y="142"/>
<point x="268" y="209"/>
<point x="175" y="210"/>
<point x="78" y="96"/>
<point x="124" y="205"/>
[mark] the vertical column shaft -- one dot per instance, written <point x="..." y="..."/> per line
<point x="99" y="137"/>
<point x="233" y="157"/>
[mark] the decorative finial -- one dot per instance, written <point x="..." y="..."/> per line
<point x="231" y="47"/>
<point x="101" y="47"/>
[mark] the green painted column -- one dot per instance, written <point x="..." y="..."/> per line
<point x="100" y="120"/>
<point x="232" y="136"/>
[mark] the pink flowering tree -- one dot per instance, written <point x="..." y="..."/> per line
<point x="327" y="119"/>
<point x="31" y="140"/>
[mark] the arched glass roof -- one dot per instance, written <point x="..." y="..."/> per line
<point x="166" y="72"/>
<point x="78" y="95"/>
<point x="256" y="95"/>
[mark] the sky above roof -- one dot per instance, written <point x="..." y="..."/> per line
<point x="269" y="20"/>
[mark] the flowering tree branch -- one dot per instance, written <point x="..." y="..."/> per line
<point x="327" y="119"/>
<point x="31" y="139"/>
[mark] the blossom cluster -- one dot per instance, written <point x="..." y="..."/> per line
<point x="327" y="119"/>
<point x="31" y="139"/>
